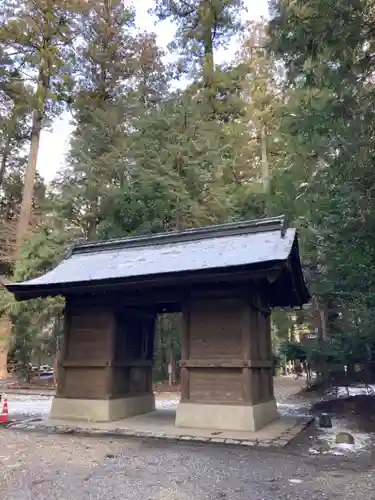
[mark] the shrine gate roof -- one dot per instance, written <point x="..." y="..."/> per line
<point x="227" y="247"/>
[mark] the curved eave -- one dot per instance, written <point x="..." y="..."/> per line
<point x="287" y="290"/>
<point x="298" y="277"/>
<point x="290" y="290"/>
<point x="24" y="291"/>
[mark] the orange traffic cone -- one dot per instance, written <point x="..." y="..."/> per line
<point x="4" y="418"/>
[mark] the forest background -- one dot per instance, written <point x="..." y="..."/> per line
<point x="286" y="126"/>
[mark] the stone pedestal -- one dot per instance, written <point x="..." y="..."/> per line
<point x="226" y="417"/>
<point x="101" y="410"/>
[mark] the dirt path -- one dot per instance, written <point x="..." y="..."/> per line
<point x="286" y="388"/>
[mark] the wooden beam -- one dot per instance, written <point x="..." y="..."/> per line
<point x="225" y="363"/>
<point x="64" y="349"/>
<point x="87" y="363"/>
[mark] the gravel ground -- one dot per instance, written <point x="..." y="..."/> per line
<point x="37" y="467"/>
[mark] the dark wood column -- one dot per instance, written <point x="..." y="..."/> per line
<point x="106" y="353"/>
<point x="87" y="353"/>
<point x="226" y="351"/>
<point x="258" y="333"/>
<point x="185" y="351"/>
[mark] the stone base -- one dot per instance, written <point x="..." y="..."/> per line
<point x="101" y="410"/>
<point x="226" y="417"/>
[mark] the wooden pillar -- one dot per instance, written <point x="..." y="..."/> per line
<point x="150" y="355"/>
<point x="226" y="365"/>
<point x="63" y="353"/>
<point x="111" y="345"/>
<point x="247" y="381"/>
<point x="106" y="363"/>
<point x="185" y="343"/>
<point x="260" y="359"/>
<point x="87" y="352"/>
<point x="268" y="337"/>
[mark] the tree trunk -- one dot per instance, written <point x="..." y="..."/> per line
<point x="5" y="330"/>
<point x="4" y="159"/>
<point x="24" y="221"/>
<point x="207" y="22"/>
<point x="91" y="229"/>
<point x="264" y="159"/>
<point x="55" y="368"/>
<point x="28" y="188"/>
<point x="321" y="326"/>
<point x="323" y="323"/>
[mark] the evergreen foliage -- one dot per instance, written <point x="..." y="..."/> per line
<point x="286" y="126"/>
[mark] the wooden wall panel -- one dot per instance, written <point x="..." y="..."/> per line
<point x="89" y="335"/>
<point x="268" y="337"/>
<point x="261" y="336"/>
<point x="226" y="351"/>
<point x="253" y="332"/>
<point x="132" y="380"/>
<point x="216" y="385"/>
<point x="109" y="352"/>
<point x="135" y="336"/>
<point x="121" y="385"/>
<point x="261" y="351"/>
<point x="85" y="383"/>
<point x="215" y="329"/>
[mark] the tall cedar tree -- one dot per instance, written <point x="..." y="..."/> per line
<point x="10" y="201"/>
<point x="202" y="27"/>
<point x="262" y="88"/>
<point x="96" y="161"/>
<point x="38" y="36"/>
<point x="328" y="175"/>
<point x="180" y="157"/>
<point x="14" y="114"/>
<point x="14" y="136"/>
<point x="205" y="141"/>
<point x="122" y="79"/>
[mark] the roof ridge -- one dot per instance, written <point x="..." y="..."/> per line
<point x="220" y="230"/>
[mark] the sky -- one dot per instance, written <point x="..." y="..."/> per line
<point x="54" y="144"/>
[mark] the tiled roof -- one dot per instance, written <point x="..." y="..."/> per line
<point x="233" y="245"/>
